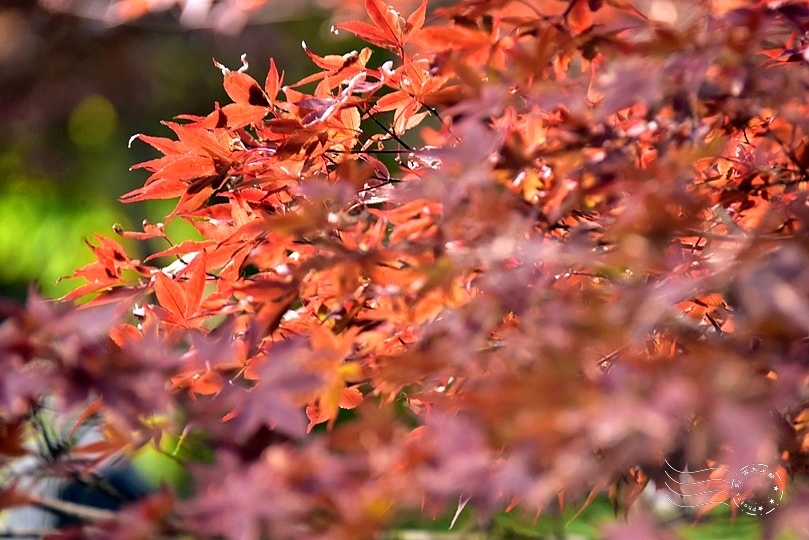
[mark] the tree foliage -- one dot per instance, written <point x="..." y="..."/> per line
<point x="535" y="248"/>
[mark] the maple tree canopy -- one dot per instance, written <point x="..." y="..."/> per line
<point x="536" y="248"/>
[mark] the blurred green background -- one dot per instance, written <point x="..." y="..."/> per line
<point x="74" y="90"/>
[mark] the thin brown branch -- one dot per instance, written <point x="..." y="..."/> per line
<point x="79" y="511"/>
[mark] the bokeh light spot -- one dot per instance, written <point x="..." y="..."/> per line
<point x="92" y="122"/>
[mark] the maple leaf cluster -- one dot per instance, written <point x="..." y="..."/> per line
<point x="535" y="249"/>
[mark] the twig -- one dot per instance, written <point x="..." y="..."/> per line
<point x="387" y="130"/>
<point x="79" y="511"/>
<point x="27" y="533"/>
